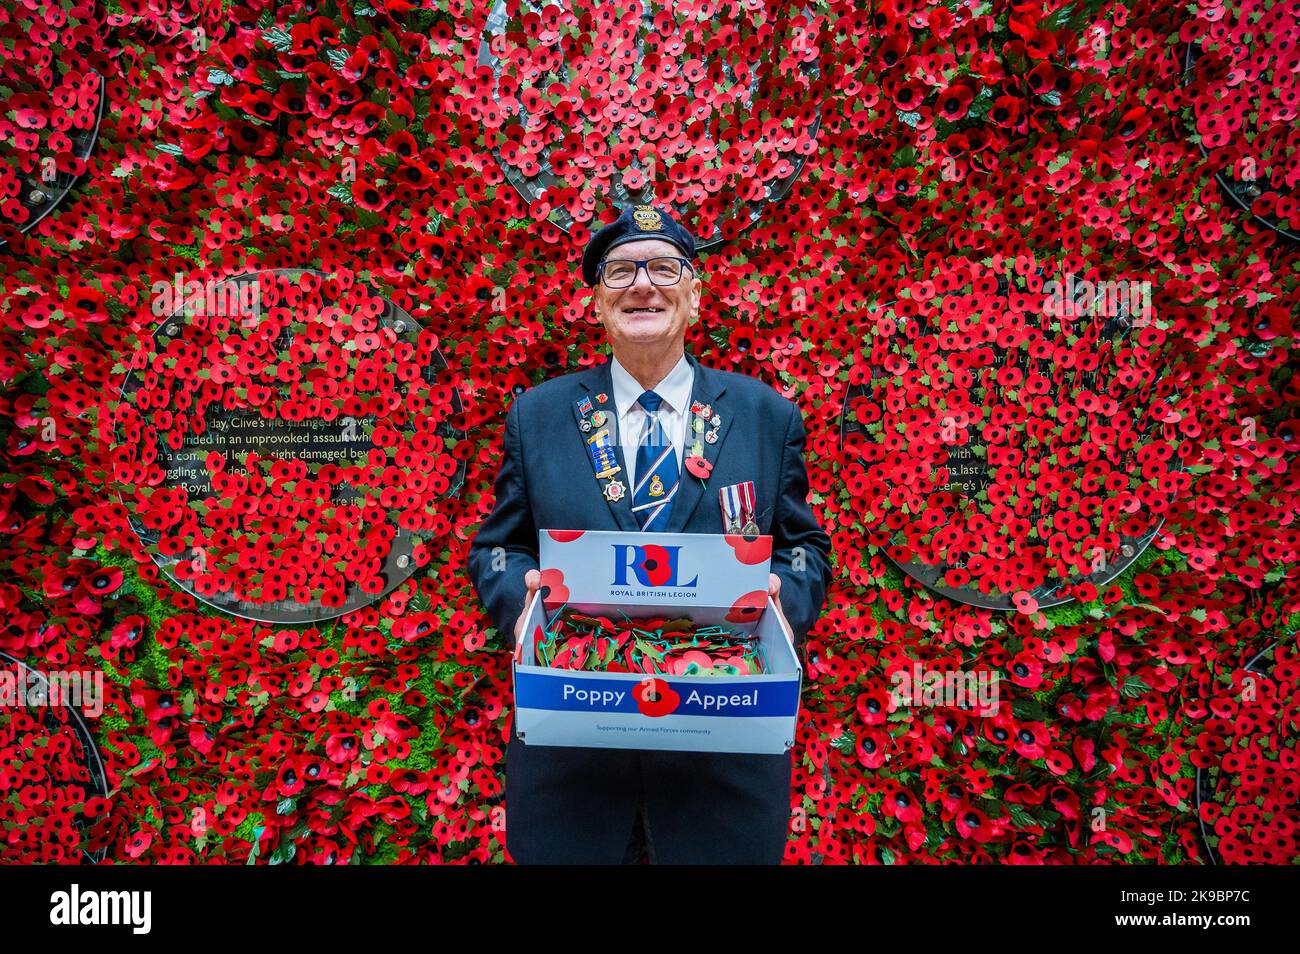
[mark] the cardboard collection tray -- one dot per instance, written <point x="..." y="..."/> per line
<point x="710" y="578"/>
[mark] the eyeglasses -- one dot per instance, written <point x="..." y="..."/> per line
<point x="621" y="272"/>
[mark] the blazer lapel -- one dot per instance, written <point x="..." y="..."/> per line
<point x="599" y="381"/>
<point x="707" y="389"/>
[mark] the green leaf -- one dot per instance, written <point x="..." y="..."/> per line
<point x="1028" y="709"/>
<point x="257" y="844"/>
<point x="278" y="39"/>
<point x="284" y="854"/>
<point x="1056" y="19"/>
<point x="1133" y="687"/>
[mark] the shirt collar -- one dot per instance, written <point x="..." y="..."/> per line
<point x="675" y="388"/>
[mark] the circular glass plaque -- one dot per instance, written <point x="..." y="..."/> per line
<point x="977" y="418"/>
<point x="285" y="441"/>
<point x="592" y="100"/>
<point x="1253" y="774"/>
<point x="59" y="718"/>
<point x="1238" y="78"/>
<point x="40" y="164"/>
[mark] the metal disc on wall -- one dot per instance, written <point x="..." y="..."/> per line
<point x="535" y="185"/>
<point x="969" y="478"/>
<point x="235" y="432"/>
<point x="44" y="186"/>
<point x="1208" y="780"/>
<point x="1246" y="184"/>
<point x="58" y="718"/>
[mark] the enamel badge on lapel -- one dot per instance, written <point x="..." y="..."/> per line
<point x="602" y="454"/>
<point x="604" y="458"/>
<point x="696" y="463"/>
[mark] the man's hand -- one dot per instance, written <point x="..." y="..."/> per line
<point x="533" y="580"/>
<point x="774" y="591"/>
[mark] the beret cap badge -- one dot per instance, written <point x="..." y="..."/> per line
<point x="647" y="219"/>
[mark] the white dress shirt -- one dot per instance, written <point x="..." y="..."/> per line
<point x="675" y="389"/>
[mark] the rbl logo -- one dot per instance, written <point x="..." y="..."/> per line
<point x="652" y="565"/>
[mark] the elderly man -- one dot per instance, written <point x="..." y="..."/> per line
<point x="684" y="433"/>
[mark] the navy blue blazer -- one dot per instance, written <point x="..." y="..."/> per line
<point x="578" y="805"/>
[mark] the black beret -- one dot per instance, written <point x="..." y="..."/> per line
<point x="636" y="223"/>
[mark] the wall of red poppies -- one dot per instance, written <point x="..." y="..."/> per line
<point x="893" y="196"/>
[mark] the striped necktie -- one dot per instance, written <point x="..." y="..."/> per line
<point x="656" y="470"/>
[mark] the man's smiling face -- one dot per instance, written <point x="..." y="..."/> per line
<point x="645" y="314"/>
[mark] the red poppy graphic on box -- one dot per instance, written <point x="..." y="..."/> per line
<point x="655" y="698"/>
<point x="748" y="607"/>
<point x="554" y="592"/>
<point x="750" y="549"/>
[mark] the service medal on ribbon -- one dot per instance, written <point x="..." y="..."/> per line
<point x="738" y="504"/>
